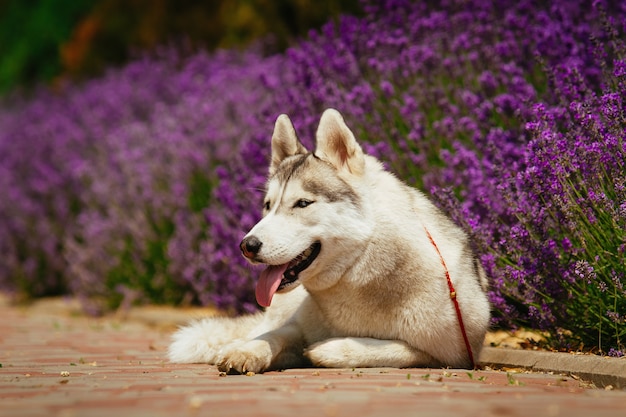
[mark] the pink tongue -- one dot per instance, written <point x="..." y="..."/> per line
<point x="269" y="281"/>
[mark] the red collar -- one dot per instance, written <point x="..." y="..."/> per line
<point x="454" y="300"/>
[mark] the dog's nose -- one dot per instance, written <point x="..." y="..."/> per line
<point x="250" y="246"/>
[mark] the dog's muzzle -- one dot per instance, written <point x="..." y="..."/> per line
<point x="250" y="246"/>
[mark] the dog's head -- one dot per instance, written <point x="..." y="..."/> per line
<point x="313" y="212"/>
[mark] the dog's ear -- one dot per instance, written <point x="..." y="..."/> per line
<point x="285" y="142"/>
<point x="336" y="144"/>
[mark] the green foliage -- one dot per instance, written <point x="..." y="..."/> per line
<point x="142" y="271"/>
<point x="30" y="35"/>
<point x="42" y="40"/>
<point x="201" y="188"/>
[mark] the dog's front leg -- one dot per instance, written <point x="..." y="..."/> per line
<point x="279" y="348"/>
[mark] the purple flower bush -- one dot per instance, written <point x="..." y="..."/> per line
<point x="108" y="184"/>
<point x="138" y="186"/>
<point x="548" y="215"/>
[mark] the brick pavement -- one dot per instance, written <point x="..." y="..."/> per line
<point x="55" y="363"/>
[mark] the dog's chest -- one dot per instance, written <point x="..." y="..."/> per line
<point x="358" y="317"/>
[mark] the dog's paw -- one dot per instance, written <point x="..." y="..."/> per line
<point x="253" y="356"/>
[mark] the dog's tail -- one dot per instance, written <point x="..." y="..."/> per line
<point x="202" y="340"/>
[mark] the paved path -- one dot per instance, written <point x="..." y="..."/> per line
<point x="56" y="364"/>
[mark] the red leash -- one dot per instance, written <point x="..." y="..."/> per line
<point x="454" y="300"/>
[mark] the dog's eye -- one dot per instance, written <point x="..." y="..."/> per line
<point x="266" y="205"/>
<point x="302" y="203"/>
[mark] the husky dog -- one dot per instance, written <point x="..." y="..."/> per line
<point x="358" y="265"/>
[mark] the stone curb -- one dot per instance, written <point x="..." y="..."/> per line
<point x="602" y="371"/>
